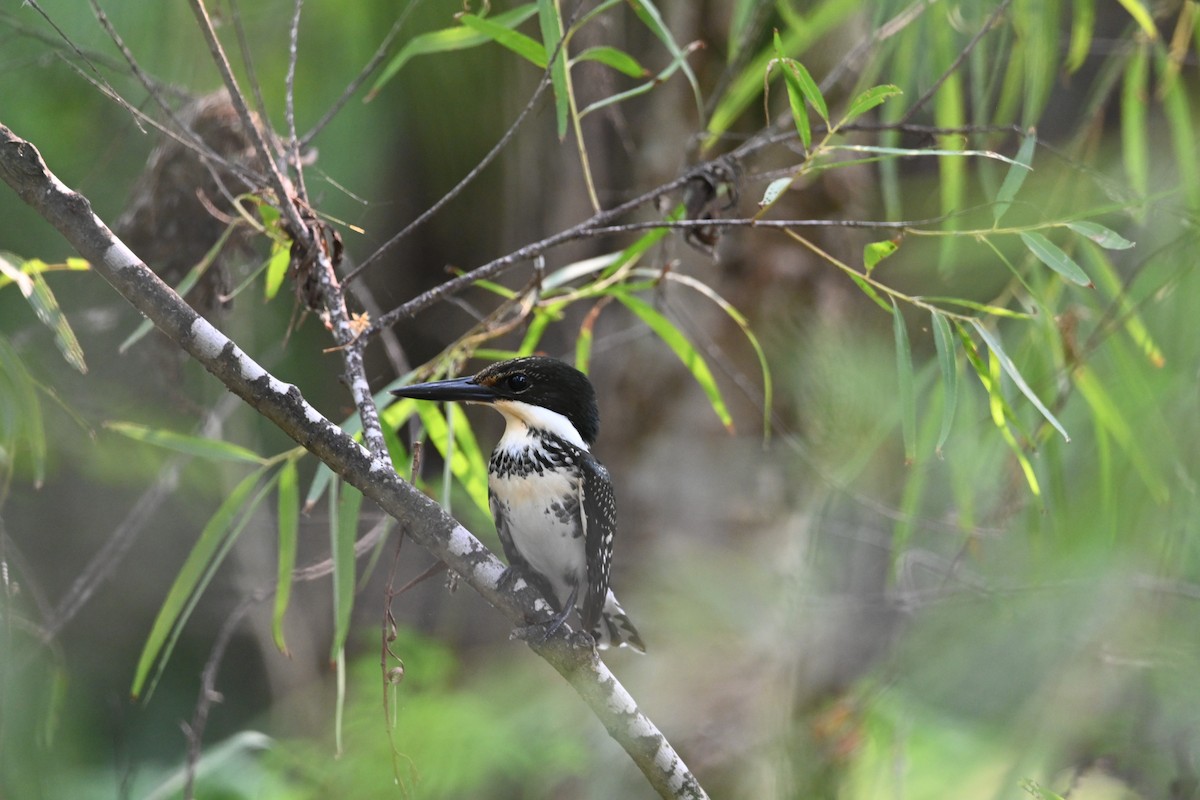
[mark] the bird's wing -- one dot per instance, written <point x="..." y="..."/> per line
<point x="598" y="508"/>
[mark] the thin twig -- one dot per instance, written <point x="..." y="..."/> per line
<point x="500" y="265"/>
<point x="290" y="96"/>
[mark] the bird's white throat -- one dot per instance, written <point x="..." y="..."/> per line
<point x="520" y="417"/>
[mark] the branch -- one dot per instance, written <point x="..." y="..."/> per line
<point x="422" y="519"/>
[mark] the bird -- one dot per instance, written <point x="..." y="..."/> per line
<point x="552" y="501"/>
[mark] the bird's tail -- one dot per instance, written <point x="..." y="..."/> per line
<point x="614" y="628"/>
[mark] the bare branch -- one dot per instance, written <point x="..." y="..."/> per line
<point x="422" y="519"/>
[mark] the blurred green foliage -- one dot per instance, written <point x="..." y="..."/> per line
<point x="920" y="588"/>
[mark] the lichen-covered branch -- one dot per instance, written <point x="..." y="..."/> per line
<point x="424" y="521"/>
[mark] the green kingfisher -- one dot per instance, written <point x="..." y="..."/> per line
<point x="552" y="501"/>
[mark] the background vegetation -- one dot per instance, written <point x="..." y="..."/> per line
<point x="907" y="477"/>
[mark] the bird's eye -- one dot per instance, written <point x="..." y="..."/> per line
<point x="517" y="382"/>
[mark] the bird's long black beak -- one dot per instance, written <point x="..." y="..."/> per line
<point x="459" y="389"/>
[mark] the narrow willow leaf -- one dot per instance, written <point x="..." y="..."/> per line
<point x="1106" y="413"/>
<point x="199" y="446"/>
<point x="869" y="291"/>
<point x="642" y="88"/>
<point x="1113" y="287"/>
<point x="37" y="266"/>
<point x="176" y="605"/>
<point x="795" y="95"/>
<point x="288" y="515"/>
<point x="682" y="348"/>
<point x="868" y="100"/>
<point x="527" y="48"/>
<point x="533" y="334"/>
<point x="652" y="18"/>
<point x="875" y="252"/>
<point x="446" y="40"/>
<point x="320" y="484"/>
<point x="465" y="460"/>
<point x="550" y="21"/>
<point x="1105" y="237"/>
<point x="44" y="304"/>
<point x="748" y="85"/>
<point x="277" y="265"/>
<point x="22" y="403"/>
<point x="1176" y="107"/>
<point x="1053" y="257"/>
<point x="809" y="88"/>
<point x="1006" y="363"/>
<point x="983" y="308"/>
<point x="617" y="59"/>
<point x="1015" y="177"/>
<point x="1135" y="148"/>
<point x="1141" y="15"/>
<point x="343" y="528"/>
<point x="744" y="325"/>
<point x="944" y="341"/>
<point x="1083" y="23"/>
<point x="908" y="395"/>
<point x="774" y="189"/>
<point x="583" y="342"/>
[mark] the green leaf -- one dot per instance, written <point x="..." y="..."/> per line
<point x="446" y="40"/>
<point x="908" y="395"/>
<point x="808" y="87"/>
<point x="1015" y="177"/>
<point x="466" y="460"/>
<point x="868" y="100"/>
<point x="1113" y="287"/>
<point x="524" y="46"/>
<point x="38" y="294"/>
<point x="197" y="569"/>
<point x="1135" y="148"/>
<point x="796" y="102"/>
<point x="612" y="57"/>
<point x="343" y="530"/>
<point x="1177" y="108"/>
<point x="748" y="84"/>
<point x="682" y="348"/>
<point x="37" y="266"/>
<point x="1142" y="17"/>
<point x="650" y="16"/>
<point x="288" y="514"/>
<point x="674" y="66"/>
<point x="944" y="341"/>
<point x="1107" y="414"/>
<point x="1053" y="257"/>
<point x="1006" y="363"/>
<point x="1083" y="22"/>
<point x="199" y="446"/>
<point x="1105" y="237"/>
<point x="550" y="21"/>
<point x="22" y="403"/>
<point x="277" y="265"/>
<point x="875" y="252"/>
<point x="983" y="308"/>
<point x="743" y="324"/>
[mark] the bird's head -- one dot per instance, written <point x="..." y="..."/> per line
<point x="539" y="392"/>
